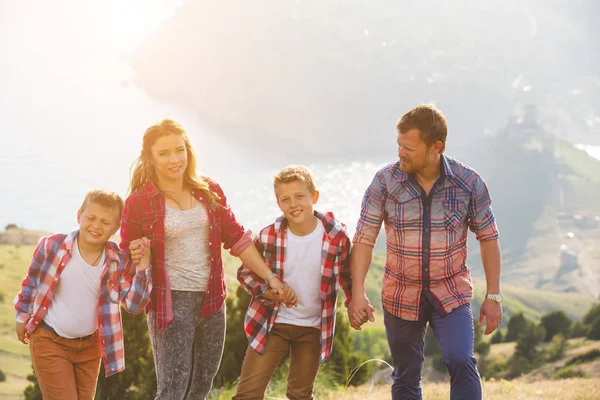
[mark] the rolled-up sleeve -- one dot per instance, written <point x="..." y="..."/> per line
<point x="481" y="218"/>
<point x="371" y="213"/>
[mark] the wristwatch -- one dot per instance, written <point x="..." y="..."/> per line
<point x="495" y="297"/>
<point x="271" y="276"/>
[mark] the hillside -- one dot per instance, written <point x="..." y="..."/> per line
<point x="14" y="261"/>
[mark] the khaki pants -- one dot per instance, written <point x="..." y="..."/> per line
<point x="304" y="344"/>
<point x="66" y="369"/>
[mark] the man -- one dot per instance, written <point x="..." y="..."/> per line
<point x="427" y="201"/>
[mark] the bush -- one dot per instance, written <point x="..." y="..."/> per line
<point x="2" y="376"/>
<point x="585" y="357"/>
<point x="557" y="347"/>
<point x="579" y="330"/>
<point x="568" y="372"/>
<point x="2" y="296"/>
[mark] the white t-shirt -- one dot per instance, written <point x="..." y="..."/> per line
<point x="73" y="311"/>
<point x="302" y="271"/>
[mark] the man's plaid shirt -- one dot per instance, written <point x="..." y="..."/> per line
<point x="426" y="236"/>
<point x="335" y="272"/>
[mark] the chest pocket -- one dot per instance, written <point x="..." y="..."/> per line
<point x="455" y="213"/>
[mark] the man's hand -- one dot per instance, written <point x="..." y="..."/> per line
<point x="491" y="312"/>
<point x="140" y="253"/>
<point x="22" y="334"/>
<point x="360" y="311"/>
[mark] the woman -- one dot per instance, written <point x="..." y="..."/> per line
<point x="186" y="217"/>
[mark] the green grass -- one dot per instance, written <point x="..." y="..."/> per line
<point x="14" y="356"/>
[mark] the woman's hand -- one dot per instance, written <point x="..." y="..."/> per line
<point x="140" y="253"/>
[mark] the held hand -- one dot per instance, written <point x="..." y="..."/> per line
<point x="289" y="298"/>
<point x="491" y="312"/>
<point x="140" y="253"/>
<point x="276" y="284"/>
<point x="360" y="311"/>
<point x="271" y="294"/>
<point x="22" y="334"/>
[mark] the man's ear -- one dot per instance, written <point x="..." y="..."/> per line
<point x="438" y="146"/>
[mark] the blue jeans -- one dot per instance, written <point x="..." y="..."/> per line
<point x="455" y="333"/>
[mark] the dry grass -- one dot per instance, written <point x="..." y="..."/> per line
<point x="569" y="389"/>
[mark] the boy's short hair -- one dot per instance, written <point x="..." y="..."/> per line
<point x="105" y="198"/>
<point x="295" y="173"/>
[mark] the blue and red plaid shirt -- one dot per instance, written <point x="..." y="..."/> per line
<point x="426" y="236"/>
<point x="144" y="216"/>
<point x="117" y="287"/>
<point x="335" y="272"/>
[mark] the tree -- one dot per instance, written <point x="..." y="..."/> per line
<point x="527" y="355"/>
<point x="517" y="324"/>
<point x="236" y="341"/>
<point x="480" y="346"/>
<point x="557" y="348"/>
<point x="11" y="226"/>
<point x="138" y="380"/>
<point x="594" y="333"/>
<point x="497" y="337"/>
<point x="579" y="329"/>
<point x="32" y="391"/>
<point x="592" y="314"/>
<point x="338" y="365"/>
<point x="556" y="322"/>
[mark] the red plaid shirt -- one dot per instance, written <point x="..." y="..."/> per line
<point x="426" y="236"/>
<point x="49" y="260"/>
<point x="144" y="215"/>
<point x="335" y="272"/>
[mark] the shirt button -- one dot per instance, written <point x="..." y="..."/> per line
<point x="426" y="250"/>
<point x="43" y="308"/>
<point x="426" y="229"/>
<point x="62" y="264"/>
<point x="210" y="243"/>
<point x="37" y="322"/>
<point x="426" y="269"/>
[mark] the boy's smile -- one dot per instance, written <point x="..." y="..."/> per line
<point x="97" y="224"/>
<point x="296" y="202"/>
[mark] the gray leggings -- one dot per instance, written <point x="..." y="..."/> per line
<point x="188" y="353"/>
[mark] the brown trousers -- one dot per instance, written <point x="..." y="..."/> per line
<point x="304" y="344"/>
<point x="66" y="369"/>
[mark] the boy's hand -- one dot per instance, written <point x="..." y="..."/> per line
<point x="289" y="298"/>
<point x="140" y="253"/>
<point x="271" y="294"/>
<point x="22" y="334"/>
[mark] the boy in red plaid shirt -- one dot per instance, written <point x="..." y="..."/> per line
<point x="69" y="307"/>
<point x="313" y="250"/>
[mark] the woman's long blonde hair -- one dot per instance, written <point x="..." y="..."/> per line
<point x="142" y="171"/>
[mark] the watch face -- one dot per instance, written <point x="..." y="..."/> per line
<point x="496" y="297"/>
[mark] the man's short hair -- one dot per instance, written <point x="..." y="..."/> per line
<point x="430" y="122"/>
<point x="105" y="198"/>
<point x="295" y="173"/>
